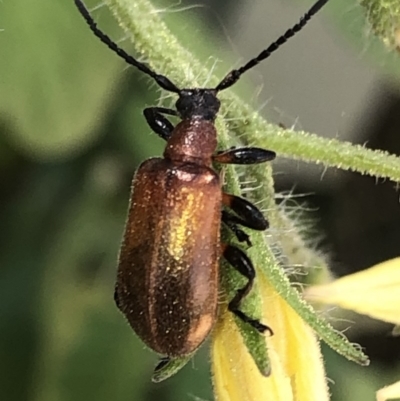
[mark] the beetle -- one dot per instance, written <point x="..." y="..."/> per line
<point x="168" y="271"/>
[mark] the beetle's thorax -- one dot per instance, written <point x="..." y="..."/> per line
<point x="193" y="141"/>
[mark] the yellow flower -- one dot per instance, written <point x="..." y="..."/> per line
<point x="374" y="292"/>
<point x="297" y="372"/>
<point x="389" y="392"/>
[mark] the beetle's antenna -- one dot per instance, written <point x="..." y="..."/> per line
<point x="161" y="80"/>
<point x="234" y="75"/>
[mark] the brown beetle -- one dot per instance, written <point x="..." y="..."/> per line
<point x="167" y="283"/>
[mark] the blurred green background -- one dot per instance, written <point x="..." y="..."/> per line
<point x="71" y="136"/>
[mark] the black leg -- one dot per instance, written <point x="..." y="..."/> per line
<point x="244" y="156"/>
<point x="232" y="221"/>
<point x="158" y="123"/>
<point x="241" y="262"/>
<point x="249" y="215"/>
<point x="161" y="363"/>
<point x="116" y="299"/>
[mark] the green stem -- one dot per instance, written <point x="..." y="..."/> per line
<point x="153" y="39"/>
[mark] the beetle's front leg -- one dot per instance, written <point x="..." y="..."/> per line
<point x="158" y="123"/>
<point x="248" y="155"/>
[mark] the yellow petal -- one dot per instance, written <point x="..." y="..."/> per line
<point x="374" y="292"/>
<point x="396" y="331"/>
<point x="389" y="392"/>
<point x="297" y="347"/>
<point x="235" y="375"/>
<point x="297" y="372"/>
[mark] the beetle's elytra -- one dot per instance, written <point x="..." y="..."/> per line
<point x="167" y="281"/>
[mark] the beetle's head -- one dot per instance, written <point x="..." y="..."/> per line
<point x="200" y="103"/>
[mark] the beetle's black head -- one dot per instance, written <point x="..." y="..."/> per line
<point x="200" y="103"/>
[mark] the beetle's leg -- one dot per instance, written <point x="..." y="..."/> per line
<point x="232" y="221"/>
<point x="158" y="123"/>
<point x="161" y="363"/>
<point x="248" y="215"/>
<point x="241" y="262"/>
<point x="116" y="298"/>
<point x="248" y="155"/>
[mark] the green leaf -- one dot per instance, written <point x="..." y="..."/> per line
<point x="87" y="349"/>
<point x="56" y="78"/>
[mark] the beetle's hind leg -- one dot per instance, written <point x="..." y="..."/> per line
<point x="158" y="123"/>
<point x="164" y="361"/>
<point x="242" y="263"/>
<point x="116" y="298"/>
